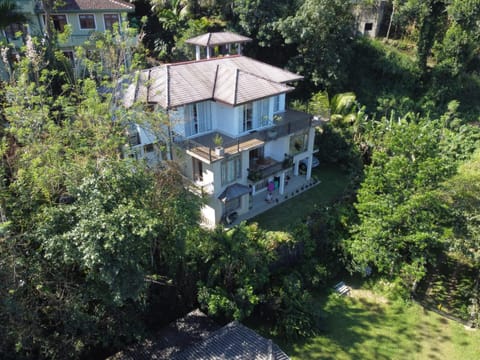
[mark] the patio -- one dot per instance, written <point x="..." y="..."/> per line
<point x="296" y="185"/>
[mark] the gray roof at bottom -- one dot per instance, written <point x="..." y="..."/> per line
<point x="233" y="342"/>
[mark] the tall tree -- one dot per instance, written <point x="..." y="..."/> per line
<point x="321" y="31"/>
<point x="402" y="221"/>
<point x="84" y="229"/>
<point x="459" y="47"/>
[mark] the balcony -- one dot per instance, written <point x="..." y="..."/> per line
<point x="262" y="168"/>
<point x="286" y="123"/>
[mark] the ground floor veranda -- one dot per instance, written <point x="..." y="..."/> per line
<point x="259" y="201"/>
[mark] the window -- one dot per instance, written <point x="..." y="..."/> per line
<point x="69" y="55"/>
<point x="87" y="21"/>
<point x="276" y="104"/>
<point x="12" y="30"/>
<point x="255" y="155"/>
<point x="262" y="112"/>
<point x="133" y="135"/>
<point x="247" y="117"/>
<point x="59" y="22"/>
<point x="231" y="170"/>
<point x="195" y="119"/>
<point x="298" y="143"/>
<point x="110" y="20"/>
<point x="368" y="27"/>
<point x="149" y="148"/>
<point x="197" y="170"/>
<point x="198" y="118"/>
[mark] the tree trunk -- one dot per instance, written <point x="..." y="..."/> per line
<point x="391" y="20"/>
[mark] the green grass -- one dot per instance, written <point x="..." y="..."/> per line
<point x="333" y="183"/>
<point x="367" y="326"/>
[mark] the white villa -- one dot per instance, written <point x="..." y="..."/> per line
<point x="228" y="127"/>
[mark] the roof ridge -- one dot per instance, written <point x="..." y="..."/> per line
<point x="258" y="76"/>
<point x="235" y="88"/>
<point x="167" y="84"/>
<point x="187" y="62"/>
<point x="214" y="87"/>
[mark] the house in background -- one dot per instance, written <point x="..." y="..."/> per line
<point x="83" y="16"/>
<point x="369" y="16"/>
<point x="228" y="127"/>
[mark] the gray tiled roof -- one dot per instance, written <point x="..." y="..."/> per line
<point x="233" y="342"/>
<point x="180" y="334"/>
<point x="233" y="80"/>
<point x="218" y="38"/>
<point x="85" y="5"/>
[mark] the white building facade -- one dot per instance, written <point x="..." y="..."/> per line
<point x="228" y="127"/>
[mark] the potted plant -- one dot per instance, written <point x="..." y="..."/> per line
<point x="218" y="141"/>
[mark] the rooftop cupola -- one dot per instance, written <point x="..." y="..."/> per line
<point x="218" y="41"/>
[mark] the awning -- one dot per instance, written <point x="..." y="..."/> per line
<point x="233" y="191"/>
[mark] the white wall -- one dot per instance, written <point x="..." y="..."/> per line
<point x="224" y="119"/>
<point x="278" y="148"/>
<point x="177" y="120"/>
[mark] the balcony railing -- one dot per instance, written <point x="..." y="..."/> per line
<point x="265" y="167"/>
<point x="286" y="123"/>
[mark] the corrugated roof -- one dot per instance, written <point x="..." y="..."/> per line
<point x="233" y="80"/>
<point x="218" y="38"/>
<point x="177" y="336"/>
<point x="85" y="5"/>
<point x="233" y="342"/>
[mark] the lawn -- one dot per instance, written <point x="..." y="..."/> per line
<point x="367" y="326"/>
<point x="333" y="182"/>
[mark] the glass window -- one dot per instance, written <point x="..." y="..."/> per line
<point x="149" y="148"/>
<point x="198" y="118"/>
<point x="69" y="55"/>
<point x="133" y="135"/>
<point x="298" y="143"/>
<point x="197" y="169"/>
<point x="247" y="117"/>
<point x="110" y="20"/>
<point x="87" y="21"/>
<point x="59" y="22"/>
<point x="276" y="104"/>
<point x="12" y="30"/>
<point x="262" y="108"/>
<point x="231" y="170"/>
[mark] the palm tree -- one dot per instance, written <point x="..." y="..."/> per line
<point x="341" y="108"/>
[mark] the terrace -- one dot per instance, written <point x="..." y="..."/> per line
<point x="289" y="122"/>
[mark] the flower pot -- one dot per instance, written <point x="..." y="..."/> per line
<point x="219" y="151"/>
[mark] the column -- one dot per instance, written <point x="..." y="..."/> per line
<point x="197" y="52"/>
<point x="281" y="189"/>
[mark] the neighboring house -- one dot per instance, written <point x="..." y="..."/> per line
<point x="369" y="16"/>
<point x="83" y="16"/>
<point x="228" y="127"/>
<point x="196" y="336"/>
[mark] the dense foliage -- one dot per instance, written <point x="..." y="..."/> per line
<point x="94" y="245"/>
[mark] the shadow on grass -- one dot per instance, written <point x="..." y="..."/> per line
<point x="333" y="183"/>
<point x="357" y="328"/>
